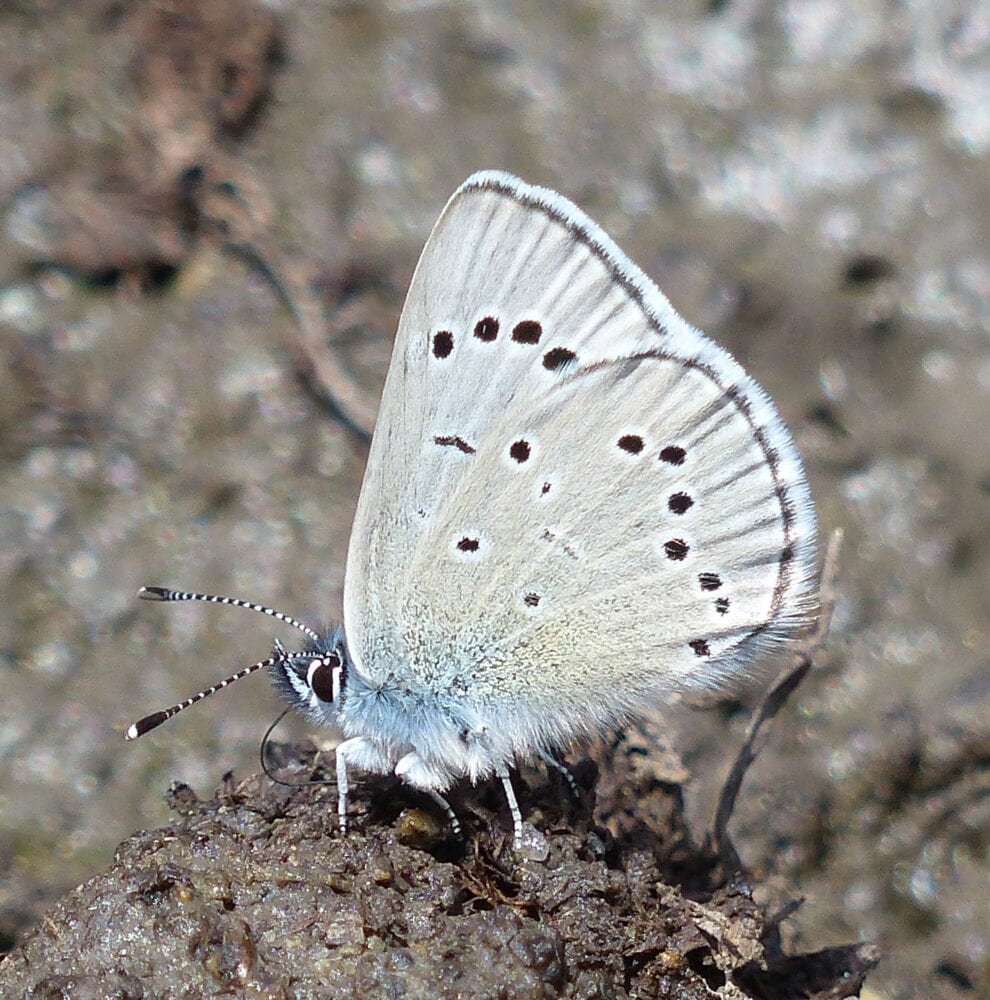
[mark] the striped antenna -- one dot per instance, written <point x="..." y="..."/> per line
<point x="164" y="594"/>
<point x="154" y="720"/>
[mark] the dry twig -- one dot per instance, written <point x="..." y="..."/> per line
<point x="240" y="212"/>
<point x="758" y="730"/>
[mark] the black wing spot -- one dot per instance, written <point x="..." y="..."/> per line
<point x="709" y="581"/>
<point x="673" y="455"/>
<point x="632" y="443"/>
<point x="531" y="600"/>
<point x="468" y="544"/>
<point x="679" y="503"/>
<point x="557" y="357"/>
<point x="676" y="549"/>
<point x="443" y="344"/>
<point x="453" y="441"/>
<point x="700" y="647"/>
<point x="722" y="605"/>
<point x="486" y="329"/>
<point x="527" y="332"/>
<point x="519" y="451"/>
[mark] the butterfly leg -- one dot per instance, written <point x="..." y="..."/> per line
<point x="455" y="823"/>
<point x="341" y="763"/>
<point x="413" y="770"/>
<point x="563" y="769"/>
<point x="363" y="754"/>
<point x="510" y="797"/>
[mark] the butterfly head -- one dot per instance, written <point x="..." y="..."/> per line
<point x="311" y="681"/>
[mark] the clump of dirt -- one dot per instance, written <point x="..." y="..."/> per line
<point x="253" y="892"/>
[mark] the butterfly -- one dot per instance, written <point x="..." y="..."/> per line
<point x="575" y="506"/>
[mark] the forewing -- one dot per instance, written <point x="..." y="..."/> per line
<point x="569" y="490"/>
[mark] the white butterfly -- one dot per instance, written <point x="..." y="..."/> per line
<point x="575" y="505"/>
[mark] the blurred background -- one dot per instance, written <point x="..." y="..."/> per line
<point x="808" y="181"/>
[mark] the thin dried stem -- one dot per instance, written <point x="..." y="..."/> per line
<point x="758" y="731"/>
<point x="240" y="212"/>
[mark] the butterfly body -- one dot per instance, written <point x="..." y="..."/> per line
<point x="575" y="505"/>
<point x="439" y="731"/>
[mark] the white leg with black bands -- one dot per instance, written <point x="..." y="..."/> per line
<point x="341" y="792"/>
<point x="455" y="823"/>
<point x="556" y="765"/>
<point x="510" y="797"/>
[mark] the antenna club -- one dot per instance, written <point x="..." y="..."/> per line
<point x="153" y="593"/>
<point x="145" y="725"/>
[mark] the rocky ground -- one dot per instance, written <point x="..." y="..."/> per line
<point x="253" y="894"/>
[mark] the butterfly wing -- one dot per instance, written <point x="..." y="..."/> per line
<point x="575" y="502"/>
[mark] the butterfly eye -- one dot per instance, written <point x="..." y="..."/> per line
<point x="320" y="677"/>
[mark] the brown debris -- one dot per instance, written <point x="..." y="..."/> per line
<point x="200" y="74"/>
